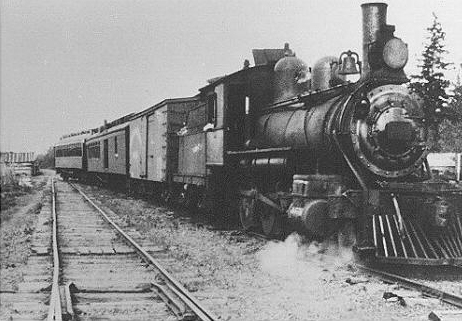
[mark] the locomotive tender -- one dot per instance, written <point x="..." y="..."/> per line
<point x="287" y="147"/>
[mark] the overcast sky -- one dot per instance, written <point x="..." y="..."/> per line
<point x="68" y="65"/>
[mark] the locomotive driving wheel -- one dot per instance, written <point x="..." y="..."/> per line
<point x="247" y="209"/>
<point x="270" y="220"/>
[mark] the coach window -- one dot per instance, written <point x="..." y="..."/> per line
<point x="93" y="150"/>
<point x="106" y="153"/>
<point x="75" y="150"/>
<point x="247" y="105"/>
<point x="116" y="148"/>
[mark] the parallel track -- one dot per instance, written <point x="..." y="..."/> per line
<point x="450" y="298"/>
<point x="78" y="263"/>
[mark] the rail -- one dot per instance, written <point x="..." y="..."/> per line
<point x="426" y="290"/>
<point x="455" y="300"/>
<point x="192" y="303"/>
<point x="54" y="311"/>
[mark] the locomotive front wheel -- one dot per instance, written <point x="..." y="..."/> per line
<point x="247" y="207"/>
<point x="347" y="234"/>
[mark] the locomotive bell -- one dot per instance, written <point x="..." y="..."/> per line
<point x="348" y="65"/>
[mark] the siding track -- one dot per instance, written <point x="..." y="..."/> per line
<point x="101" y="273"/>
<point x="426" y="290"/>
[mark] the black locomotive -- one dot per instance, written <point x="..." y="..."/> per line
<point x="289" y="147"/>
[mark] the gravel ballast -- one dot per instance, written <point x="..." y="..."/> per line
<point x="240" y="277"/>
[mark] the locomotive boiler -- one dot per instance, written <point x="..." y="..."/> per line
<point x="334" y="158"/>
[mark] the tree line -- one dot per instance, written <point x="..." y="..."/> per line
<point x="442" y="99"/>
<point x="46" y="160"/>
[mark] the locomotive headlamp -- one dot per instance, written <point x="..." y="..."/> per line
<point x="395" y="53"/>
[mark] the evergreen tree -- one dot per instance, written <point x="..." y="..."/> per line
<point x="455" y="106"/>
<point x="431" y="84"/>
<point x="451" y="129"/>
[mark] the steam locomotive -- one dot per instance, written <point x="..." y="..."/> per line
<point x="287" y="147"/>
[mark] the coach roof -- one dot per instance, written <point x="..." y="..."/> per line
<point x="164" y="102"/>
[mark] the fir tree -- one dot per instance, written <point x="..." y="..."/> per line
<point x="431" y="84"/>
<point x="455" y="106"/>
<point x="451" y="129"/>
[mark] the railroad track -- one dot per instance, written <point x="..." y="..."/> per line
<point x="100" y="272"/>
<point x="426" y="290"/>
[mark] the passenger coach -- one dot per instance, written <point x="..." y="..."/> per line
<point x="107" y="153"/>
<point x="70" y="159"/>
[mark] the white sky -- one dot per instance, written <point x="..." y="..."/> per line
<point x="68" y="65"/>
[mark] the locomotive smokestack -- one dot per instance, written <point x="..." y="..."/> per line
<point x="374" y="19"/>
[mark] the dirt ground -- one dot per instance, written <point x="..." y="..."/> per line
<point x="16" y="227"/>
<point x="240" y="277"/>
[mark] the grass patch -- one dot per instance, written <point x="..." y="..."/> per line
<point x="16" y="228"/>
<point x="10" y="191"/>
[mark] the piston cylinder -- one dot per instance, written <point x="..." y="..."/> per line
<point x="309" y="216"/>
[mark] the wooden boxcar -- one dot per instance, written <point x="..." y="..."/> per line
<point x="154" y="141"/>
<point x="192" y="147"/>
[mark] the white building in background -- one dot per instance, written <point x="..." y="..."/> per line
<point x="448" y="165"/>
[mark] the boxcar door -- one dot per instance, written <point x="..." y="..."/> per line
<point x="157" y="145"/>
<point x="137" y="147"/>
